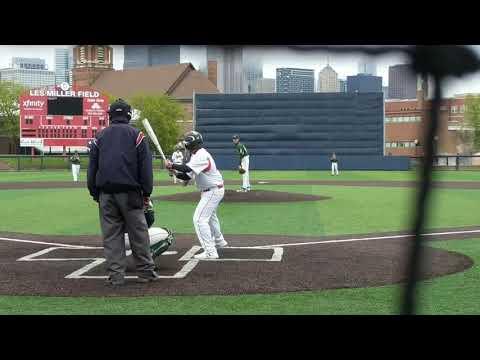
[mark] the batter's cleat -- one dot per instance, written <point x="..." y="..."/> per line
<point x="148" y="277"/>
<point x="115" y="281"/>
<point x="206" y="256"/>
<point x="221" y="244"/>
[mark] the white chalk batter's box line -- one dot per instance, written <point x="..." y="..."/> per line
<point x="184" y="271"/>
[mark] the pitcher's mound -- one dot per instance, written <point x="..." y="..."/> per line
<point x="251" y="196"/>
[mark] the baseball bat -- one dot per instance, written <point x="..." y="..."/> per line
<point x="152" y="136"/>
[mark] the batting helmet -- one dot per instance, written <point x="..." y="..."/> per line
<point x="193" y="140"/>
<point x="235" y="137"/>
<point x="120" y="108"/>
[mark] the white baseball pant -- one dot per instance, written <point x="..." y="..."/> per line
<point x="206" y="222"/>
<point x="75" y="171"/>
<point x="334" y="168"/>
<point x="246" y="176"/>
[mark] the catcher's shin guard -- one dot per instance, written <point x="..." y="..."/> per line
<point x="160" y="240"/>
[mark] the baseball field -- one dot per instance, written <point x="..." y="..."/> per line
<point x="302" y="242"/>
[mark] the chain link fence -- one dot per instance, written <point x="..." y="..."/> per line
<point x="61" y="162"/>
<point x="449" y="162"/>
<point x="51" y="162"/>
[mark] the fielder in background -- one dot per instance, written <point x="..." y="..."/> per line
<point x="120" y="179"/>
<point x="334" y="161"/>
<point x="210" y="183"/>
<point x="75" y="161"/>
<point x="177" y="158"/>
<point x="243" y="167"/>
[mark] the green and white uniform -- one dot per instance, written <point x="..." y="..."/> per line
<point x="244" y="163"/>
<point x="75" y="161"/>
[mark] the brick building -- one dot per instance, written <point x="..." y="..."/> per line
<point x="89" y="62"/>
<point x="406" y="120"/>
<point x="180" y="81"/>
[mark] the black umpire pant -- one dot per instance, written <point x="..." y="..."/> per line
<point x="120" y="212"/>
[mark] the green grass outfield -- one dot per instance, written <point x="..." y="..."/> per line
<point x="351" y="210"/>
<point x="439" y="175"/>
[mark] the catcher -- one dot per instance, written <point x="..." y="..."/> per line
<point x="244" y="163"/>
<point x="160" y="238"/>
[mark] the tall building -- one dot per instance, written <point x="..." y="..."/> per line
<point x="252" y="68"/>
<point x="402" y="82"/>
<point x="89" y="61"/>
<point x="328" y="80"/>
<point x="233" y="69"/>
<point x="216" y="70"/>
<point x="29" y="72"/>
<point x="140" y="56"/>
<point x="342" y="84"/>
<point x="62" y="66"/>
<point x="367" y="66"/>
<point x="28" y="63"/>
<point x="364" y="83"/>
<point x="238" y="68"/>
<point x="385" y="92"/>
<point x="292" y="80"/>
<point x="233" y="74"/>
<point x="265" y="86"/>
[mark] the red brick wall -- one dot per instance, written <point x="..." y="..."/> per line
<point x="448" y="140"/>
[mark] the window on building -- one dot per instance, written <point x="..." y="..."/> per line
<point x="387" y="145"/>
<point x="84" y="133"/>
<point x="94" y="133"/>
<point x="454" y="109"/>
<point x="85" y="122"/>
<point x="462" y="108"/>
<point x="394" y="144"/>
<point x="68" y="121"/>
<point x="49" y="121"/>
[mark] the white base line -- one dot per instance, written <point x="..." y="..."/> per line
<point x="364" y="239"/>
<point x="78" y="274"/>
<point x="48" y="243"/>
<point x="277" y="254"/>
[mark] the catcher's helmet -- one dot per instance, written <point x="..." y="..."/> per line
<point x="149" y="214"/>
<point x="193" y="140"/>
<point x="120" y="108"/>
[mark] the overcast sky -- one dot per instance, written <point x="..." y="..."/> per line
<point x="344" y="65"/>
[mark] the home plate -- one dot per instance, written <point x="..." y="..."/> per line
<point x="170" y="253"/>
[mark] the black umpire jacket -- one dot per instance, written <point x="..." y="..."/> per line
<point x="120" y="160"/>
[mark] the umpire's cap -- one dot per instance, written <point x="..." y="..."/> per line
<point x="120" y="108"/>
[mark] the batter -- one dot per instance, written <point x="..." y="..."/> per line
<point x="209" y="181"/>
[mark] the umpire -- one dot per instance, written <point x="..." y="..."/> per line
<point x="120" y="179"/>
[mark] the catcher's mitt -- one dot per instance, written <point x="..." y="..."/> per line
<point x="241" y="170"/>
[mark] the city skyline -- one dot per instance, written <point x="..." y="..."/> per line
<point x="273" y="58"/>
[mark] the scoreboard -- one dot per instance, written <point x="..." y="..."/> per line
<point x="60" y="118"/>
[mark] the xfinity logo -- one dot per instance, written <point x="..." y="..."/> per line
<point x="30" y="103"/>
